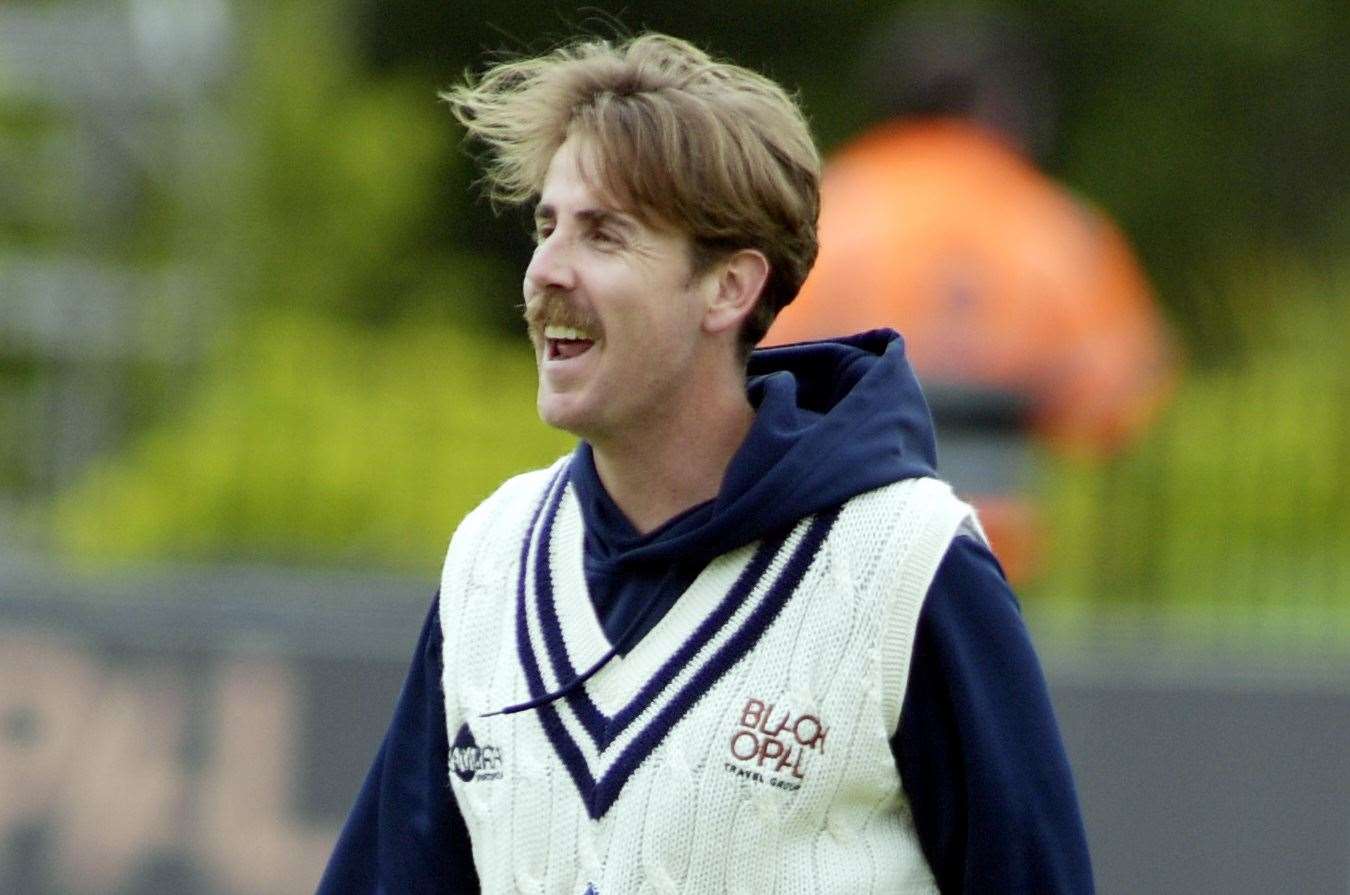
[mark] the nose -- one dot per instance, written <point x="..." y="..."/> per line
<point x="550" y="266"/>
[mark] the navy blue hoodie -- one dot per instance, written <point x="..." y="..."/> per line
<point x="977" y="746"/>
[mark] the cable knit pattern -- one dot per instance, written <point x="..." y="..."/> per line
<point x="741" y="746"/>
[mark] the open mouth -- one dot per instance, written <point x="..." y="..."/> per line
<point x="565" y="342"/>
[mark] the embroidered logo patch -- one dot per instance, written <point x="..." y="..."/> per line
<point x="469" y="761"/>
<point x="774" y="742"/>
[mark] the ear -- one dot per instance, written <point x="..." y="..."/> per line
<point x="740" y="279"/>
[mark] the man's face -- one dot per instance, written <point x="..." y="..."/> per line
<point x="613" y="313"/>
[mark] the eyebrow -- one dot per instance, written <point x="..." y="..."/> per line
<point x="592" y="216"/>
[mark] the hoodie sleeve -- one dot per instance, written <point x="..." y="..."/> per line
<point x="978" y="749"/>
<point x="405" y="833"/>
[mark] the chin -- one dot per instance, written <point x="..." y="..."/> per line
<point x="564" y="412"/>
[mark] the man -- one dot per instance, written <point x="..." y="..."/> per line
<point x="741" y="639"/>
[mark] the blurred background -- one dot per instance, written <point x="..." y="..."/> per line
<point x="260" y="351"/>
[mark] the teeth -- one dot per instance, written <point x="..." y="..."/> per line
<point x="565" y="332"/>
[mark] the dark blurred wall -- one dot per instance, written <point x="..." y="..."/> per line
<point x="228" y="736"/>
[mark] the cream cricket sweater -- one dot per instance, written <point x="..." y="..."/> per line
<point x="741" y="746"/>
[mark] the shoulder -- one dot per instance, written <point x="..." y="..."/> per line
<point x="907" y="527"/>
<point x="915" y="493"/>
<point x="517" y="495"/>
<point x="923" y="511"/>
<point x="503" y="515"/>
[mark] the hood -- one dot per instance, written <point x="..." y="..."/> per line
<point x="833" y="419"/>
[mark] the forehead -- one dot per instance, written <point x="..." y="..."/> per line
<point x="573" y="180"/>
<point x="575" y="183"/>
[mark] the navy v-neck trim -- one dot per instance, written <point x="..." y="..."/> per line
<point x="599" y="787"/>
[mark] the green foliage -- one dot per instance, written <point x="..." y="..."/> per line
<point x="335" y="199"/>
<point x="1238" y="468"/>
<point x="314" y="442"/>
<point x="355" y="410"/>
<point x="1235" y="501"/>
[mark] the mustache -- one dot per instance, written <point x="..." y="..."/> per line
<point x="552" y="309"/>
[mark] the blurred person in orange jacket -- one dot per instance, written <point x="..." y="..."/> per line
<point x="1026" y="313"/>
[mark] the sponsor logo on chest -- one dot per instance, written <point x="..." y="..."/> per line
<point x="772" y="745"/>
<point x="470" y="761"/>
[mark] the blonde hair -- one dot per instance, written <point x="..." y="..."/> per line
<point x="716" y="150"/>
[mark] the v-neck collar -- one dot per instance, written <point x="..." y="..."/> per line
<point x="566" y="607"/>
<point x="714" y="624"/>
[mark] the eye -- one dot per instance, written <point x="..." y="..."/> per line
<point x="542" y="231"/>
<point x="604" y="238"/>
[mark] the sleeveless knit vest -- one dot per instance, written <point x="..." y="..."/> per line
<point x="741" y="746"/>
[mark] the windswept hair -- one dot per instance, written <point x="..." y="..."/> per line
<point x="713" y="149"/>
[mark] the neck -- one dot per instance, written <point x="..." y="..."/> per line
<point x="664" y="469"/>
